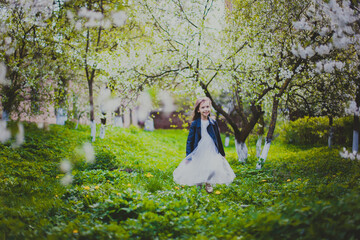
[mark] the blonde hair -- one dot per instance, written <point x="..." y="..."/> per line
<point x="195" y="115"/>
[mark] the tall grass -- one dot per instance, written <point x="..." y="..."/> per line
<point x="301" y="193"/>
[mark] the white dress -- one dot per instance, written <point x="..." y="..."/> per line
<point x="204" y="164"/>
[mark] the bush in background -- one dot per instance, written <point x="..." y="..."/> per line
<point x="315" y="131"/>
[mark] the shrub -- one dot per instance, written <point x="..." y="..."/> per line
<point x="315" y="131"/>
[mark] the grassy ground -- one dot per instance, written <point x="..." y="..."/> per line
<point x="301" y="193"/>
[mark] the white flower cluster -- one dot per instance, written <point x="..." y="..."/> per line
<point x="3" y="79"/>
<point x="341" y="18"/>
<point x="65" y="167"/>
<point x="328" y="66"/>
<point x="304" y="53"/>
<point x="167" y="101"/>
<point x="145" y="106"/>
<point x="107" y="102"/>
<point x="324" y="49"/>
<point x="285" y="73"/>
<point x="350" y="155"/>
<point x="302" y="25"/>
<point x="89" y="153"/>
<point x="353" y="109"/>
<point x="5" y="134"/>
<point x="96" y="19"/>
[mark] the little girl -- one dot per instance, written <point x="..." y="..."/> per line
<point x="205" y="161"/>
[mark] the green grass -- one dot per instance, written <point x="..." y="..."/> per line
<point x="128" y="193"/>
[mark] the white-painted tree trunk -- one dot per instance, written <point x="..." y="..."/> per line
<point x="241" y="150"/>
<point x="149" y="125"/>
<point x="134" y="118"/>
<point x="61" y="116"/>
<point x="330" y="138"/>
<point x="93" y="130"/>
<point x="118" y="122"/>
<point x="5" y="116"/>
<point x="227" y="141"/>
<point x="355" y="146"/>
<point x="264" y="154"/>
<point x="258" y="146"/>
<point x="102" y="131"/>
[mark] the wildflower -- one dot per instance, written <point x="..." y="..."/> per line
<point x="75" y="231"/>
<point x="264" y="180"/>
<point x="119" y="194"/>
<point x="57" y="176"/>
<point x="149" y="175"/>
<point x="96" y="187"/>
<point x="87" y="195"/>
<point x="299" y="179"/>
<point x="108" y="180"/>
<point x="56" y="196"/>
<point x="129" y="185"/>
<point x="177" y="188"/>
<point x="87" y="188"/>
<point x="217" y="192"/>
<point x="288" y="180"/>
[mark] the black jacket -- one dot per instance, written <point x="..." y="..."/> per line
<point x="195" y="136"/>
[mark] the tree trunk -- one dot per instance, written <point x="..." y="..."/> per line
<point x="92" y="115"/>
<point x="355" y="145"/>
<point x="61" y="116"/>
<point x="264" y="154"/>
<point x="103" y="126"/>
<point x="93" y="130"/>
<point x="5" y="116"/>
<point x="331" y="132"/>
<point x="227" y="140"/>
<point x="270" y="134"/>
<point x="260" y="136"/>
<point x="241" y="150"/>
<point x="118" y="121"/>
<point x="258" y="146"/>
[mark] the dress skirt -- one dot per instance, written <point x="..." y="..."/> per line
<point x="204" y="165"/>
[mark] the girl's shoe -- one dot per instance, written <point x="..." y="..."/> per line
<point x="209" y="188"/>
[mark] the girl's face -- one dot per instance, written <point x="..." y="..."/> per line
<point x="204" y="109"/>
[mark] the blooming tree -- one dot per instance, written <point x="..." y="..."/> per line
<point x="338" y="21"/>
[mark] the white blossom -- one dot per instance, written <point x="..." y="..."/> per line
<point x="20" y="136"/>
<point x="89" y="153"/>
<point x="294" y="51"/>
<point x="350" y="155"/>
<point x="5" y="134"/>
<point x="8" y="40"/>
<point x="339" y="65"/>
<point x="3" y="79"/>
<point x="353" y="109"/>
<point x="323" y="49"/>
<point x="167" y="101"/>
<point x="302" y="25"/>
<point x="303" y="53"/>
<point x="119" y="18"/>
<point x="107" y="102"/>
<point x="67" y="179"/>
<point x="145" y="106"/>
<point x="324" y="31"/>
<point x="319" y="67"/>
<point x="341" y="42"/>
<point x="329" y="67"/>
<point x="65" y="166"/>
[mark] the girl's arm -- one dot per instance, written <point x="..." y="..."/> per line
<point x="191" y="139"/>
